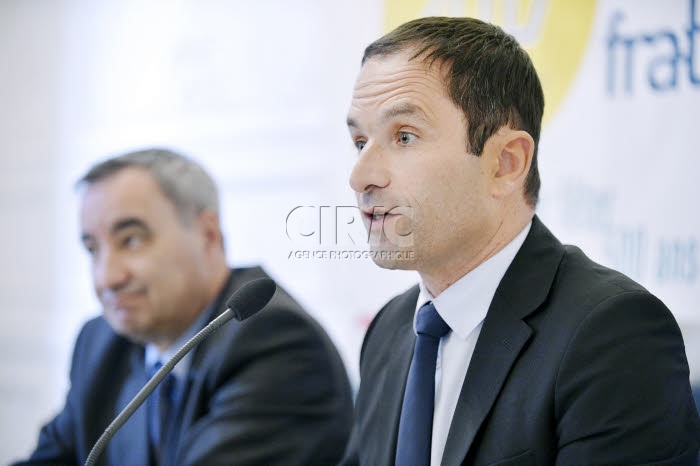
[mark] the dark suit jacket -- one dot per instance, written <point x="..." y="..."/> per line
<point x="575" y="364"/>
<point x="271" y="390"/>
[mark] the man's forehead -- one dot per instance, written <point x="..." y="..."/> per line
<point x="399" y="109"/>
<point x="103" y="210"/>
<point x="395" y="85"/>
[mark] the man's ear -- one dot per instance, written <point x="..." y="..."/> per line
<point x="514" y="151"/>
<point x="208" y="224"/>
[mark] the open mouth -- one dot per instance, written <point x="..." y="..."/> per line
<point x="377" y="217"/>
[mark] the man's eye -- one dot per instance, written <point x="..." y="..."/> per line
<point x="133" y="241"/>
<point x="406" y="138"/>
<point x="360" y="145"/>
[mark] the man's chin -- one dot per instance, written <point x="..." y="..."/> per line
<point x="131" y="334"/>
<point x="127" y="328"/>
<point x="394" y="259"/>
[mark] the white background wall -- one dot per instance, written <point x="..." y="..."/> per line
<point x="258" y="92"/>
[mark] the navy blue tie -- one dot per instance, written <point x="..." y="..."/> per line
<point x="160" y="407"/>
<point x="416" y="424"/>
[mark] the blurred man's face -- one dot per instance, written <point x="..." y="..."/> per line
<point x="412" y="152"/>
<point x="148" y="268"/>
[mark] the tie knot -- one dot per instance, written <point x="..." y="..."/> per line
<point x="429" y="322"/>
<point x="154" y="368"/>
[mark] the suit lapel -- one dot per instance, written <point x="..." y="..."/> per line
<point x="130" y="444"/>
<point x="498" y="347"/>
<point x="504" y="334"/>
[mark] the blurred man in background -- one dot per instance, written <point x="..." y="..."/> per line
<point x="513" y="349"/>
<point x="269" y="390"/>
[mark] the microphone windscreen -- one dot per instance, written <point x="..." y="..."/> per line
<point x="252" y="297"/>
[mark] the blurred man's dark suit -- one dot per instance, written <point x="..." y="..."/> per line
<point x="270" y="390"/>
<point x="575" y="365"/>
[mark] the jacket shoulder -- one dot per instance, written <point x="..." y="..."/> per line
<point x="396" y="312"/>
<point x="591" y="284"/>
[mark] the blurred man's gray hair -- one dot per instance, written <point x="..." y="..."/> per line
<point x="183" y="181"/>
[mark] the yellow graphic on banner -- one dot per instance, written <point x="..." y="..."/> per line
<point x="554" y="32"/>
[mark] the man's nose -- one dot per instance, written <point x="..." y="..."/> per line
<point x="370" y="170"/>
<point x="109" y="270"/>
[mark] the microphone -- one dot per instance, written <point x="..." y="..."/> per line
<point x="251" y="298"/>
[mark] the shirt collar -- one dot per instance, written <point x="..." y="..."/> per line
<point x="464" y="304"/>
<point x="154" y="355"/>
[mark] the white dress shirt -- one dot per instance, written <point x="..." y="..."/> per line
<point x="463" y="306"/>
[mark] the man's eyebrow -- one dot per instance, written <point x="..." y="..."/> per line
<point x="402" y="109"/>
<point x="129" y="222"/>
<point x="393" y="112"/>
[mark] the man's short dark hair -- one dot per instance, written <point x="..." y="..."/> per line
<point x="489" y="76"/>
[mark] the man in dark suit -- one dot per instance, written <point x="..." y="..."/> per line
<point x="269" y="390"/>
<point x="514" y="349"/>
